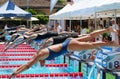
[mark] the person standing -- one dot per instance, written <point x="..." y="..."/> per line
<point x="113" y="35"/>
<point x="6" y="27"/>
<point x="58" y="27"/>
<point x="100" y="37"/>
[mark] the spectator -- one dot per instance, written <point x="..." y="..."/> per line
<point x="6" y="27"/>
<point x="114" y="26"/>
<point x="113" y="36"/>
<point x="58" y="27"/>
<point x="100" y="37"/>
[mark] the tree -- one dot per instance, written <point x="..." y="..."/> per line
<point x="61" y="1"/>
<point x="43" y="19"/>
<point x="33" y="12"/>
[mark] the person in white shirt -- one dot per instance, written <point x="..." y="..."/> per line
<point x="59" y="28"/>
<point x="83" y="30"/>
<point x="6" y="27"/>
<point x="113" y="35"/>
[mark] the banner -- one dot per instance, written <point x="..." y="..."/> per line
<point x="52" y="4"/>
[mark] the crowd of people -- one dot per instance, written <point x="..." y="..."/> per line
<point x="55" y="43"/>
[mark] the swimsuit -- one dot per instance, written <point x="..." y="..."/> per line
<point x="63" y="50"/>
<point x="16" y="36"/>
<point x="73" y="35"/>
<point x="62" y="38"/>
<point x="12" y="28"/>
<point x="59" y="39"/>
<point x="46" y="35"/>
<point x="11" y="33"/>
<point x="37" y="29"/>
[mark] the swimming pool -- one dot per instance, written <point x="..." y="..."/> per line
<point x="13" y="58"/>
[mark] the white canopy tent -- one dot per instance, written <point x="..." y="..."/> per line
<point x="85" y="9"/>
<point x="80" y="9"/>
<point x="103" y="8"/>
<point x="81" y="4"/>
<point x="58" y="15"/>
<point x="9" y="9"/>
<point x="109" y="8"/>
<point x="33" y="19"/>
<point x="61" y="13"/>
<point x="69" y="11"/>
<point x="108" y="5"/>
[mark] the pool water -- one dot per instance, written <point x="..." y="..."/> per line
<point x="13" y="58"/>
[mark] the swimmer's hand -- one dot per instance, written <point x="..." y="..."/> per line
<point x="12" y="75"/>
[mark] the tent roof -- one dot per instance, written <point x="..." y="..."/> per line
<point x="58" y="15"/>
<point x="88" y="9"/>
<point x="108" y="5"/>
<point x="9" y="9"/>
<point x="33" y="19"/>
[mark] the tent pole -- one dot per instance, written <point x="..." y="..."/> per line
<point x="95" y="21"/>
<point x="20" y="22"/>
<point x="80" y="21"/>
<point x="28" y="24"/>
<point x="115" y="16"/>
<point x="48" y="25"/>
<point x="70" y="25"/>
<point x="31" y="24"/>
<point x="54" y="24"/>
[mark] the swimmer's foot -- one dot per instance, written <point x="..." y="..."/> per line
<point x="110" y="29"/>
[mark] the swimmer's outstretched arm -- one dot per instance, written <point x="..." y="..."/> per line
<point x="61" y="33"/>
<point x="22" y="30"/>
<point x="36" y="57"/>
<point x="32" y="37"/>
<point x="25" y="66"/>
<point x="47" y="43"/>
<point x="96" y="33"/>
<point x="82" y="35"/>
<point x="17" y="41"/>
<point x="76" y="45"/>
<point x="23" y="41"/>
<point x="3" y="35"/>
<point x="13" y="37"/>
<point x="16" y="45"/>
<point x="40" y="31"/>
<point x="8" y="46"/>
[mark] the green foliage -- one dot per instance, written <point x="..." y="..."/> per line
<point x="105" y="34"/>
<point x="42" y="18"/>
<point x="33" y="12"/>
<point x="58" y="9"/>
<point x="61" y="1"/>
